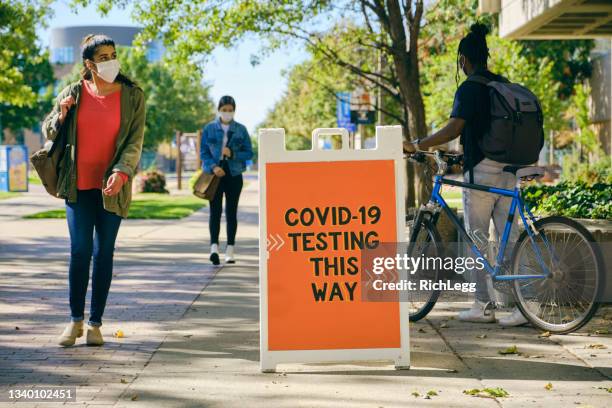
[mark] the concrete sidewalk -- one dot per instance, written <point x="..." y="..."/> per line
<point x="192" y="339"/>
<point x="212" y="358"/>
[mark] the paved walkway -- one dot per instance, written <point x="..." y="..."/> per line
<point x="191" y="336"/>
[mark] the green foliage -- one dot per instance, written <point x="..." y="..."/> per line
<point x="439" y="83"/>
<point x="570" y="58"/>
<point x="577" y="200"/>
<point x="26" y="79"/>
<point x="176" y="96"/>
<point x="152" y="181"/>
<point x="310" y="99"/>
<point x="197" y="27"/>
<point x="586" y="161"/>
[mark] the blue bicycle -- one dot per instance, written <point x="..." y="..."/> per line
<point x="555" y="271"/>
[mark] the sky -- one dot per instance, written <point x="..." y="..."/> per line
<point x="255" y="89"/>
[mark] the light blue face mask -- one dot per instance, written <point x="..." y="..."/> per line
<point x="226" y="116"/>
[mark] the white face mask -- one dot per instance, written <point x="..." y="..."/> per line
<point x="108" y="70"/>
<point x="226" y="116"/>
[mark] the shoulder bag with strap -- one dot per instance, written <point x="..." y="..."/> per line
<point x="207" y="184"/>
<point x="47" y="162"/>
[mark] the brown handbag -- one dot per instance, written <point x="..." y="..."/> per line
<point x="206" y="186"/>
<point x="47" y="162"/>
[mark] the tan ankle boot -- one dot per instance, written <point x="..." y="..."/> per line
<point x="94" y="336"/>
<point x="70" y="334"/>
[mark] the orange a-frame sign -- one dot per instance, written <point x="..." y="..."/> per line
<point x="318" y="208"/>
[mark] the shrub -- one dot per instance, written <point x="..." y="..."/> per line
<point x="151" y="181"/>
<point x="571" y="199"/>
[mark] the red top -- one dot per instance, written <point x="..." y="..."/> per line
<point x="98" y="122"/>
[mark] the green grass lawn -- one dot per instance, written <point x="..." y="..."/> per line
<point x="4" y="195"/>
<point x="147" y="206"/>
<point x="33" y="178"/>
<point x="453" y="198"/>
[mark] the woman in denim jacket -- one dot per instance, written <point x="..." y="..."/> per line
<point x="225" y="148"/>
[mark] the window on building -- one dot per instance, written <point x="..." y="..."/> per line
<point x="62" y="55"/>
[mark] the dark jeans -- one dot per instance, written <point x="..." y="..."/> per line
<point x="85" y="217"/>
<point x="231" y="188"/>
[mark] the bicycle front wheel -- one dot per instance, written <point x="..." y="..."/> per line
<point x="567" y="299"/>
<point x="426" y="242"/>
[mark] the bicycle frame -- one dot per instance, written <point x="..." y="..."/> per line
<point x="517" y="204"/>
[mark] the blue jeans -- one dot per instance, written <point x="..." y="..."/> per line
<point x="85" y="217"/>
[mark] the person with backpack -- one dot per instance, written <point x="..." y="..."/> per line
<point x="499" y="124"/>
<point x="225" y="148"/>
<point x="103" y="117"/>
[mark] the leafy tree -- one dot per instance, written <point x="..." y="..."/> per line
<point x="176" y="96"/>
<point x="25" y="83"/>
<point x="570" y="58"/>
<point x="440" y="83"/>
<point x="196" y="27"/>
<point x="310" y="99"/>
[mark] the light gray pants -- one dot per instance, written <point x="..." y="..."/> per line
<point x="480" y="208"/>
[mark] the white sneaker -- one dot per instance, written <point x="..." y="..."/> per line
<point x="480" y="312"/>
<point x="515" y="319"/>
<point x="229" y="255"/>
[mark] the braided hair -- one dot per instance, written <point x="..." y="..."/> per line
<point x="89" y="45"/>
<point x="474" y="47"/>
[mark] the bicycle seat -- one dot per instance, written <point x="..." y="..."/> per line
<point x="525" y="171"/>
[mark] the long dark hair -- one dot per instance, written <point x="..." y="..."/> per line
<point x="474" y="47"/>
<point x="89" y="45"/>
<point x="226" y="100"/>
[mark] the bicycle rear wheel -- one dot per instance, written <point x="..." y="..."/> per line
<point x="427" y="242"/>
<point x="568" y="298"/>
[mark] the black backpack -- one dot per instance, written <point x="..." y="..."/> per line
<point x="515" y="134"/>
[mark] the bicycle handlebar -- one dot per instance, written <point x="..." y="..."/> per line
<point x="439" y="156"/>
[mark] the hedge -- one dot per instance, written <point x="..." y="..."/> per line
<point x="571" y="199"/>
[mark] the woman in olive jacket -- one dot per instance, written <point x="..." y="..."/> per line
<point x="104" y="115"/>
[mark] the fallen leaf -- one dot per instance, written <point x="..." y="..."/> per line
<point x="415" y="394"/>
<point x="432" y="393"/>
<point x="545" y="334"/>
<point x="118" y="334"/>
<point x="608" y="389"/>
<point x="123" y="381"/>
<point x="496" y="392"/>
<point x="134" y="397"/>
<point x="602" y="331"/>
<point x="16" y="327"/>
<point x="548" y="386"/>
<point x="422" y="330"/>
<point x="443" y="325"/>
<point x="482" y="336"/>
<point x="509" y="350"/>
<point x="452" y="371"/>
<point x="597" y="346"/>
<point x="473" y="391"/>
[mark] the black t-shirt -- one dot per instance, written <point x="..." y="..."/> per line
<point x="472" y="105"/>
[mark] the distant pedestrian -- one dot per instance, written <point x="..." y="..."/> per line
<point x="105" y="111"/>
<point x="225" y="148"/>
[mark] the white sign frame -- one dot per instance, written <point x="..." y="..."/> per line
<point x="272" y="150"/>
